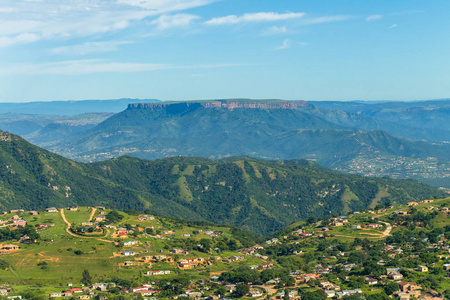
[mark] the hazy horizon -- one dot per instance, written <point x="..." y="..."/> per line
<point x="208" y="49"/>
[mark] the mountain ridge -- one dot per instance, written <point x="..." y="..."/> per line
<point x="257" y="195"/>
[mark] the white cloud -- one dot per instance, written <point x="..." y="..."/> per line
<point x="179" y="20"/>
<point x="326" y="19"/>
<point x="89" y="66"/>
<point x="393" y="26"/>
<point x="374" y="18"/>
<point x="254" y="17"/>
<point x="56" y="19"/>
<point x="165" y="5"/>
<point x="79" y="67"/>
<point x="6" y="10"/>
<point x="22" y="38"/>
<point x="276" y="30"/>
<point x="89" y="47"/>
<point x="286" y="44"/>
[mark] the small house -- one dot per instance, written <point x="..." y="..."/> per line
<point x="422" y="268"/>
<point x="255" y="293"/>
<point x="371" y="281"/>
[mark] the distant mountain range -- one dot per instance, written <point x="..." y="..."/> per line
<point x="256" y="195"/>
<point x="270" y="129"/>
<point x="426" y="120"/>
<point x="397" y="139"/>
<point x="69" y="108"/>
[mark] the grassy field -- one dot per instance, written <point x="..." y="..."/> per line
<point x="79" y="216"/>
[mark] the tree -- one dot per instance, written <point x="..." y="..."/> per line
<point x="391" y="288"/>
<point x="221" y="291"/>
<point x="43" y="265"/>
<point x="316" y="295"/>
<point x="241" y="290"/>
<point x="372" y="268"/>
<point x="290" y="281"/>
<point x="286" y="294"/>
<point x="378" y="206"/>
<point x="311" y="220"/>
<point x="206" y="243"/>
<point x="380" y="296"/>
<point x="86" y="278"/>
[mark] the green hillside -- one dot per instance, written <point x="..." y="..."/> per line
<point x="256" y="195"/>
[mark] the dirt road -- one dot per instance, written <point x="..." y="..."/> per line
<point x="81" y="236"/>
<point x="385" y="234"/>
<point x="92" y="214"/>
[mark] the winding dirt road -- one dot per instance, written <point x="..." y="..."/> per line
<point x="82" y="236"/>
<point x="92" y="214"/>
<point x="385" y="234"/>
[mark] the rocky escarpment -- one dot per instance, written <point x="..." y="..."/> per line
<point x="225" y="104"/>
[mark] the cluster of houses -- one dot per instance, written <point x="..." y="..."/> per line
<point x="82" y="293"/>
<point x="368" y="226"/>
<point x="145" y="218"/>
<point x="120" y="232"/>
<point x="5" y="249"/>
<point x="339" y="221"/>
<point x="212" y="233"/>
<point x="72" y="292"/>
<point x="273" y="241"/>
<point x="301" y="233"/>
<point x="13" y="223"/>
<point x="254" y="251"/>
<point x="4" y="291"/>
<point x="156" y="273"/>
<point x="190" y="263"/>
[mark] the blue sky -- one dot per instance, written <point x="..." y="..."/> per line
<point x="207" y="49"/>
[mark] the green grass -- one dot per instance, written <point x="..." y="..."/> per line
<point x="64" y="265"/>
<point x="79" y="216"/>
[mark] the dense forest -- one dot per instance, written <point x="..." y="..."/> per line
<point x="255" y="195"/>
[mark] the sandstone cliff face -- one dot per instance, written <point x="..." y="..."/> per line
<point x="230" y="105"/>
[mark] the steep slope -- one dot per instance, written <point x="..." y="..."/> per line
<point x="256" y="195"/>
<point x="32" y="178"/>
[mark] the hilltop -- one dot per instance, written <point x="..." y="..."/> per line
<point x="256" y="195"/>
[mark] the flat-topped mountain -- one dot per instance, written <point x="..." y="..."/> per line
<point x="256" y="195"/>
<point x="269" y="129"/>
<point x="226" y="104"/>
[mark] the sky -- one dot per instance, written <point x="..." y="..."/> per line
<point x="217" y="49"/>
